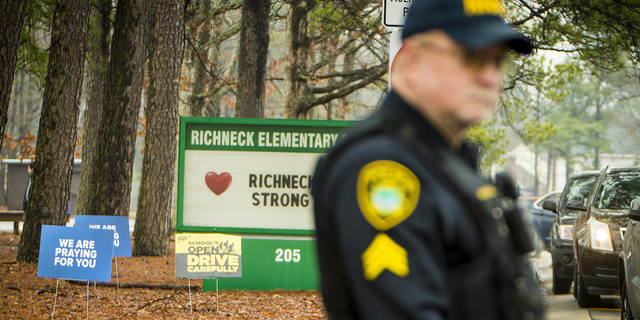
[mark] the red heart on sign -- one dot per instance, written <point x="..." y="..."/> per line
<point x="217" y="183"/>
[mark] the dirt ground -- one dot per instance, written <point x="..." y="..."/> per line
<point x="25" y="296"/>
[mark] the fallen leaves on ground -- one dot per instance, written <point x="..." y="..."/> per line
<point x="25" y="296"/>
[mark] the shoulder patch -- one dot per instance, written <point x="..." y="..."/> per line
<point x="387" y="193"/>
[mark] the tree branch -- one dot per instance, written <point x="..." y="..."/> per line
<point x="344" y="91"/>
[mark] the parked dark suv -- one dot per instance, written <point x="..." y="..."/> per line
<point x="598" y="234"/>
<point x="561" y="245"/>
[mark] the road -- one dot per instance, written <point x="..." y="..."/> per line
<point x="565" y="306"/>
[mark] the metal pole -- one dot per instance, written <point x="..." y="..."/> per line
<point x="117" y="277"/>
<point x="190" y="303"/>
<point x="88" y="300"/>
<point x="55" y="300"/>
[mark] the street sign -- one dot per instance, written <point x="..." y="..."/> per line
<point x="75" y="253"/>
<point x="208" y="255"/>
<point x="120" y="226"/>
<point x="394" y="12"/>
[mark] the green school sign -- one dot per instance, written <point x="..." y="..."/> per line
<point x="252" y="177"/>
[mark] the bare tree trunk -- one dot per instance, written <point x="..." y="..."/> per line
<point x="550" y="172"/>
<point x="536" y="182"/>
<point x="12" y="127"/>
<point x="596" y="151"/>
<point x="153" y="219"/>
<point x="213" y="87"/>
<point x="51" y="187"/>
<point x="297" y="91"/>
<point x="200" y="60"/>
<point x="347" y="67"/>
<point x="10" y="26"/>
<point x="252" y="58"/>
<point x="110" y="187"/>
<point x="329" y="48"/>
<point x="97" y="63"/>
<point x="207" y="23"/>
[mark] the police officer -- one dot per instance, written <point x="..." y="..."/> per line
<point x="406" y="228"/>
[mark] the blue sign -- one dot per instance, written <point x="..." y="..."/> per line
<point x="121" y="237"/>
<point x="75" y="253"/>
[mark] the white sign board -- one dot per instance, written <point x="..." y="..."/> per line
<point x="261" y="188"/>
<point x="394" y="12"/>
<point x="250" y="176"/>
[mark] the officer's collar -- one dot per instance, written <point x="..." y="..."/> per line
<point x="425" y="129"/>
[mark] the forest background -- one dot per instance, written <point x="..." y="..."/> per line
<point x="85" y="78"/>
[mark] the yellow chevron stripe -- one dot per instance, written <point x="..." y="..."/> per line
<point x="384" y="254"/>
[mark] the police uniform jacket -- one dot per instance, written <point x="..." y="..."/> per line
<point x="390" y="232"/>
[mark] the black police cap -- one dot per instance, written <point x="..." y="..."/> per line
<point x="474" y="23"/>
